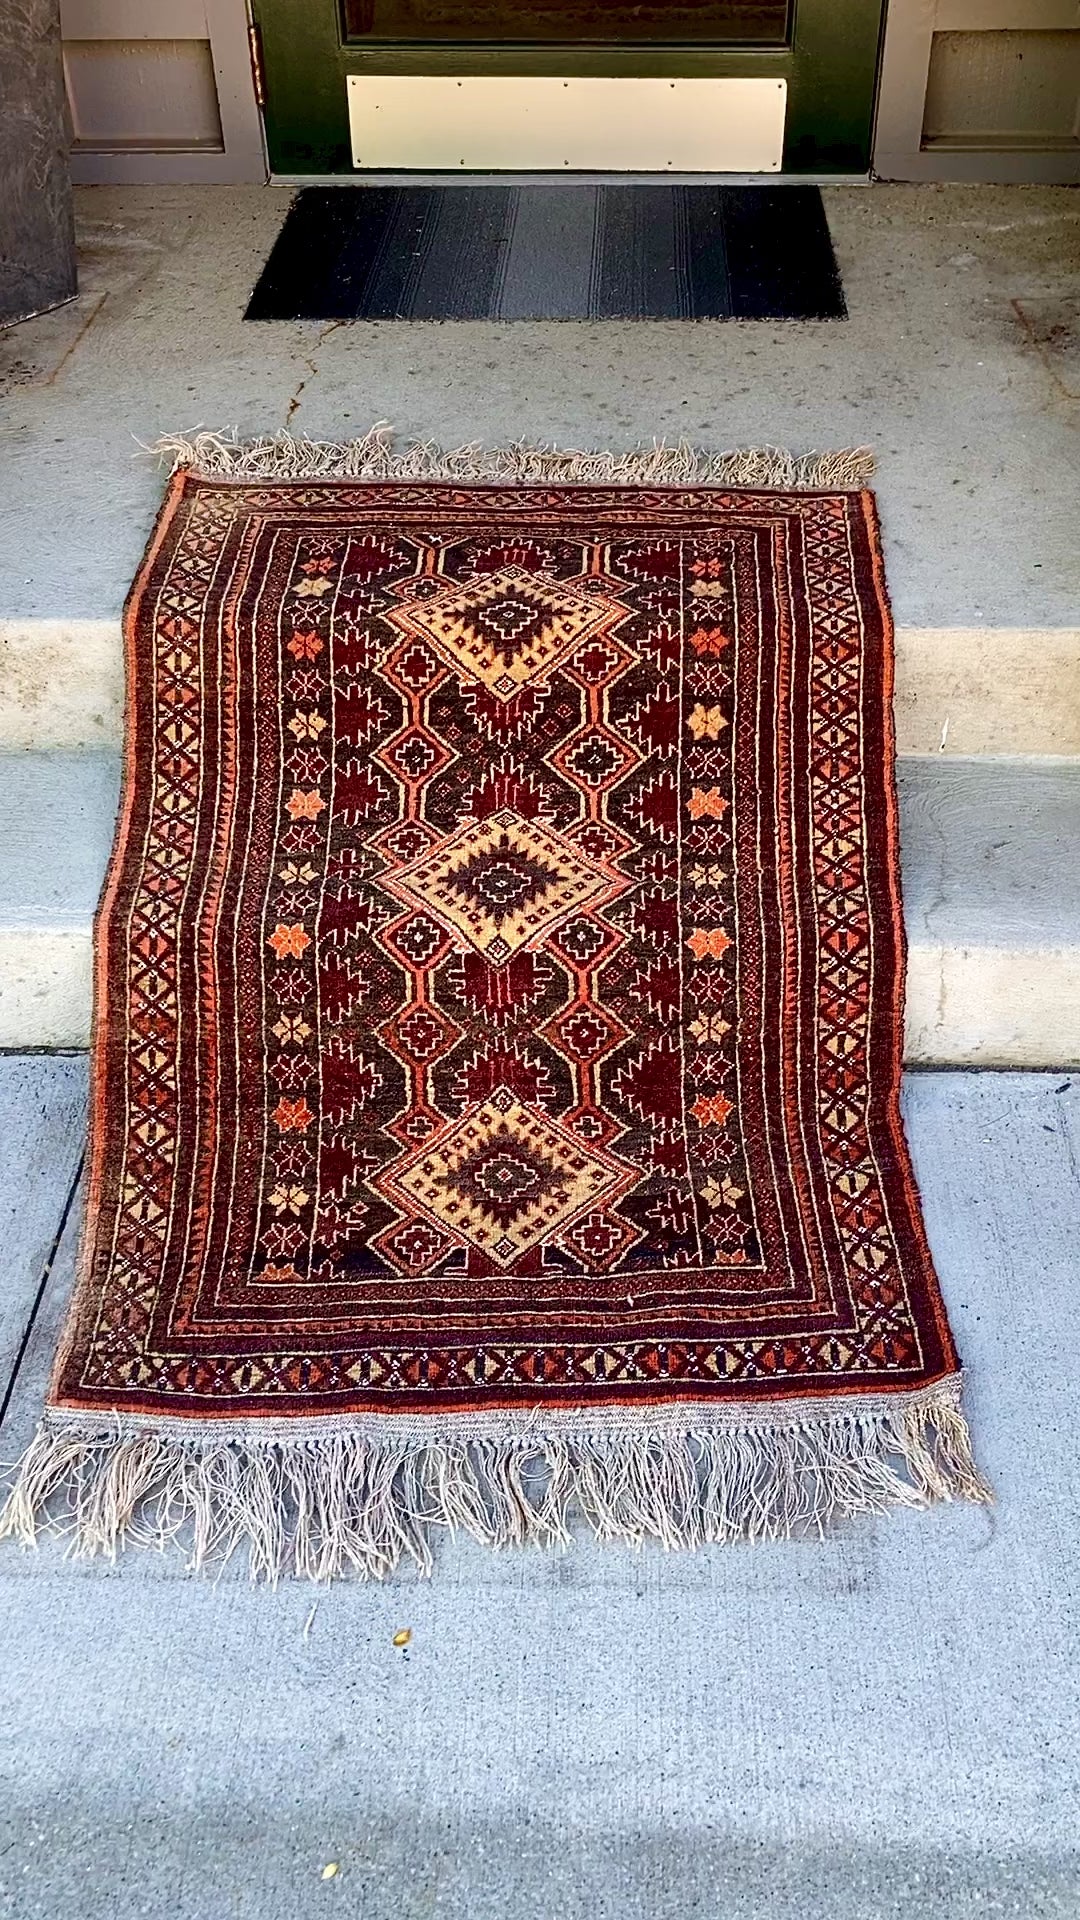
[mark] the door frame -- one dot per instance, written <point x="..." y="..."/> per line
<point x="830" y="65"/>
<point x="900" y="152"/>
<point x="221" y="23"/>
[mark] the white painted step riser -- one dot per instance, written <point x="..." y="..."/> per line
<point x="991" y="890"/>
<point x="966" y="1007"/>
<point x="964" y="690"/>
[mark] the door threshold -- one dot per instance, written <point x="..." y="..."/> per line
<point x="404" y="177"/>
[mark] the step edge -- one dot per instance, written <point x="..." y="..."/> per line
<point x="45" y="996"/>
<point x="61" y="685"/>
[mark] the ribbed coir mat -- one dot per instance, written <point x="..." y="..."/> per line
<point x="499" y="994"/>
<point x="566" y="252"/>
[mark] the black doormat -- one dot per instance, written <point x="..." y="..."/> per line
<point x="552" y="253"/>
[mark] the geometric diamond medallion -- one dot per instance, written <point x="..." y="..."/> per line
<point x="502" y="881"/>
<point x="506" y="1176"/>
<point x="509" y="628"/>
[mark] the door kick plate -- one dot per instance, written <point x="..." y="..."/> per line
<point x="516" y="123"/>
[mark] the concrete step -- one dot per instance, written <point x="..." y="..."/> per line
<point x="991" y="888"/>
<point x="960" y="690"/>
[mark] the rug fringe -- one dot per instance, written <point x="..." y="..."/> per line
<point x="278" y="456"/>
<point x="361" y="1501"/>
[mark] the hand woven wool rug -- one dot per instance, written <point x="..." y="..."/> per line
<point x="498" y="1021"/>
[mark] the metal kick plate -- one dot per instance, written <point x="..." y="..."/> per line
<point x="522" y="124"/>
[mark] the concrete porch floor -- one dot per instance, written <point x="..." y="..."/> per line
<point x="882" y="1726"/>
<point x="943" y="367"/>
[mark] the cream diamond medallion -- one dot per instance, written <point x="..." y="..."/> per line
<point x="509" y="628"/>
<point x="506" y="1176"/>
<point x="502" y="882"/>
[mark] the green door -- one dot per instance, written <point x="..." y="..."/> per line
<point x="825" y="50"/>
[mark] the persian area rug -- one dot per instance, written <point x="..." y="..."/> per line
<point x="499" y="1008"/>
<point x="566" y="252"/>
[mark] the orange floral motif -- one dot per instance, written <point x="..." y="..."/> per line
<point x="285" y="1199"/>
<point x="706" y="723"/>
<point x="709" y="640"/>
<point x="305" y="646"/>
<point x="707" y="803"/>
<point x="708" y="943"/>
<point x="304" y="806"/>
<point x="287" y="940"/>
<point x="711" y="1109"/>
<point x="293" y="1116"/>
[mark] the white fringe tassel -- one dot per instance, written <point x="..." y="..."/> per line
<point x="223" y="456"/>
<point x="361" y="1499"/>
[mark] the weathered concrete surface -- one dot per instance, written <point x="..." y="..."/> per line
<point x="978" y="481"/>
<point x="58" y="811"/>
<point x="37" y="232"/>
<point x="881" y="1726"/>
<point x="976" y="436"/>
<point x="992" y="904"/>
<point x="991" y="888"/>
<point x="61" y="684"/>
<point x="46" y="986"/>
<point x="1055" y="329"/>
<point x="991" y="842"/>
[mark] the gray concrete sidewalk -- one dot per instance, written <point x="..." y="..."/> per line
<point x="881" y="1727"/>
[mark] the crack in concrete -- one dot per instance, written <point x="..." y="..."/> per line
<point x="23" y="374"/>
<point x="1040" y="345"/>
<point x="312" y="366"/>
